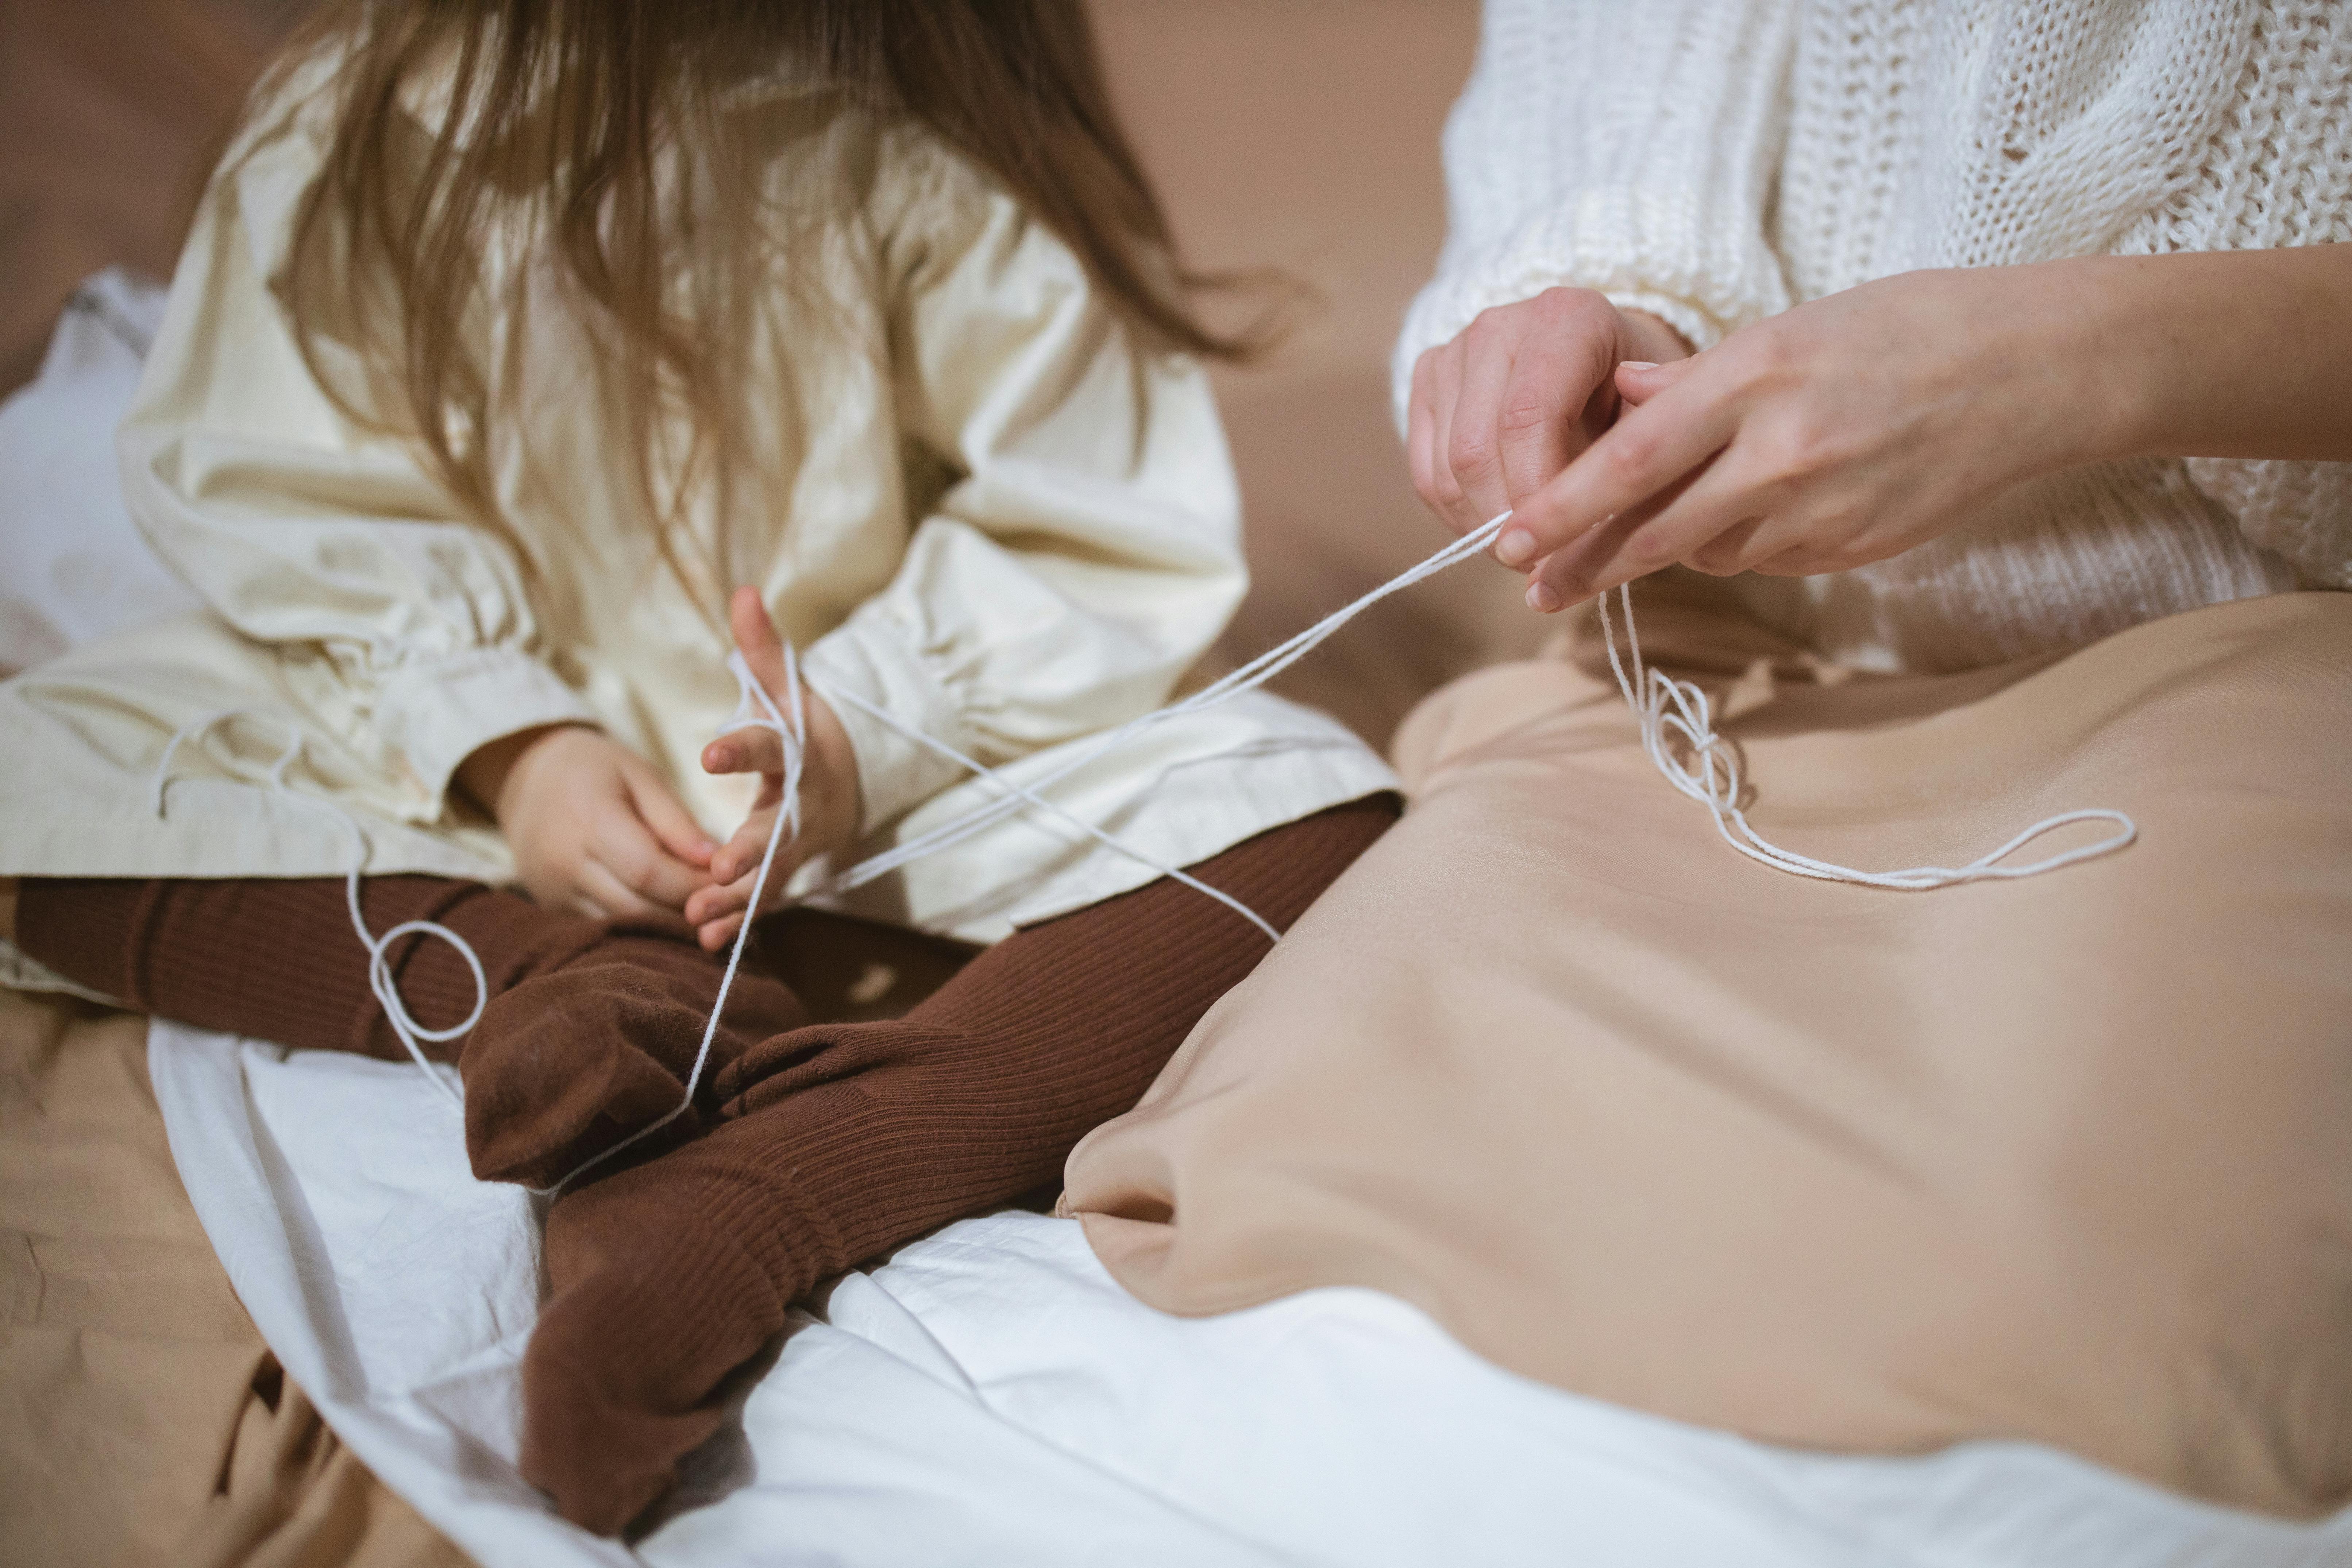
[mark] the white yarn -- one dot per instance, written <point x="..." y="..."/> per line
<point x="1711" y="777"/>
<point x="387" y="992"/>
<point x="791" y="727"/>
<point x="1248" y="678"/>
<point x="1032" y="797"/>
<point x="1663" y="706"/>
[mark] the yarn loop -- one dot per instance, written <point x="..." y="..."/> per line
<point x="1676" y="726"/>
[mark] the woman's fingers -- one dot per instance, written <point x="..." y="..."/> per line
<point x="1728" y="553"/>
<point x="1638" y="380"/>
<point x="1562" y="578"/>
<point x="1445" y="392"/>
<point x="1505" y="405"/>
<point x="1680" y="521"/>
<point x="1538" y="419"/>
<point x="1647" y="450"/>
<point x="1560" y="395"/>
<point x="1420" y="430"/>
<point x="718" y="933"/>
<point x="1474" y="430"/>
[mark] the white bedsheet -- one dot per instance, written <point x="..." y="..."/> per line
<point x="988" y="1397"/>
<point x="72" y="566"/>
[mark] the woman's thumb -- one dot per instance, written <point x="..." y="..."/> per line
<point x="1638" y="380"/>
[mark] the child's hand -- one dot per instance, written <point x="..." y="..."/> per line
<point x="1831" y="435"/>
<point x="593" y="827"/>
<point x="828" y="786"/>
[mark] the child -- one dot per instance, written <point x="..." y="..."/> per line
<point x="508" y="337"/>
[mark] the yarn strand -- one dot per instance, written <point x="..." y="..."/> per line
<point x="1676" y="722"/>
<point x="411" y="1034"/>
<point x="1664" y="705"/>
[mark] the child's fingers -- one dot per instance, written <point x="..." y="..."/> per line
<point x="666" y="816"/>
<point x="740" y="857"/>
<point x="755" y="635"/>
<point x="718" y="900"/>
<point x="610" y="898"/>
<point x="623" y="846"/>
<point x="745" y="752"/>
<point x="717" y="913"/>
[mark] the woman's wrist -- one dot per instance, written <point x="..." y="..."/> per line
<point x="2062" y="330"/>
<point x="2209" y="354"/>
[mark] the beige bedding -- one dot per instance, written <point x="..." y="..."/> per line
<point x="1836" y="1166"/>
<point x="142" y="1419"/>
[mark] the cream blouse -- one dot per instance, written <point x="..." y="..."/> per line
<point x="1004" y="525"/>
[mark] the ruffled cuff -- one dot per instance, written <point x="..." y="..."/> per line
<point x="433" y="716"/>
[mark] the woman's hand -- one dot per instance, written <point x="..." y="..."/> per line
<point x="1517" y="394"/>
<point x="829" y="803"/>
<point x="593" y="826"/>
<point x="1860" y="425"/>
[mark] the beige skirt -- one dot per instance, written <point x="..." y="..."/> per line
<point x="2066" y="1158"/>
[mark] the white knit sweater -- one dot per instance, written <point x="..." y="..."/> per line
<point x="1714" y="162"/>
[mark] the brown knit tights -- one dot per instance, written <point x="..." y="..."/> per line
<point x="810" y="1148"/>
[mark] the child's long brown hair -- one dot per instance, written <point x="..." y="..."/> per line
<point x="603" y="125"/>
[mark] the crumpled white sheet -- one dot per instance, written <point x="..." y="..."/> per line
<point x="72" y="566"/>
<point x="988" y="1397"/>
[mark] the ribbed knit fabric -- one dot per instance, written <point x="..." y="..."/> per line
<point x="277" y="957"/>
<point x="843" y="1140"/>
<point x="1717" y="163"/>
<point x="591" y="1029"/>
<point x="809" y="1147"/>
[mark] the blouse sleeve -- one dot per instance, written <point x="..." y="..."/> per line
<point x="1628" y="149"/>
<point x="409" y="626"/>
<point x="1086" y="548"/>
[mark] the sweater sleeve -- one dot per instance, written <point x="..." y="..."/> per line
<point x="2301" y="510"/>
<point x="1628" y="149"/>
<point x="401" y="626"/>
<point x="1084" y="549"/>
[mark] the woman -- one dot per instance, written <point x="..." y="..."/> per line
<point x="524" y="361"/>
<point x="2020" y="431"/>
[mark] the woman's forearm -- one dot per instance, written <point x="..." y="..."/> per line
<point x="2214" y="355"/>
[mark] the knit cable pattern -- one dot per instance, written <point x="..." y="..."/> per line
<point x="1716" y="163"/>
